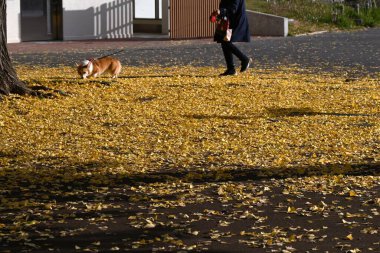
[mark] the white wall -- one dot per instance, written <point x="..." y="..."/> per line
<point x="13" y="21"/>
<point x="97" y="19"/>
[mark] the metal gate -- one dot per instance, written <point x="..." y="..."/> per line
<point x="190" y="18"/>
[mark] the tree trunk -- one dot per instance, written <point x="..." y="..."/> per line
<point x="9" y="82"/>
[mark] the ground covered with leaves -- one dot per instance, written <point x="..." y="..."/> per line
<point x="179" y="159"/>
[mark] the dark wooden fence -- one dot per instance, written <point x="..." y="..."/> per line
<point x="190" y="18"/>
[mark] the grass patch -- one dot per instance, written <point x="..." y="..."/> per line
<point x="312" y="16"/>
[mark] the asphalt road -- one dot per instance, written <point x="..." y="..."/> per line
<point x="357" y="51"/>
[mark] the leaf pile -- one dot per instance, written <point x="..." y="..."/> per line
<point x="138" y="149"/>
<point x="162" y="118"/>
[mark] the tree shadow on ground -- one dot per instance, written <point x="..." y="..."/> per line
<point x="305" y="111"/>
<point x="164" y="76"/>
<point x="52" y="170"/>
<point x="51" y="179"/>
<point x="203" y="173"/>
<point x="214" y="116"/>
<point x="76" y="200"/>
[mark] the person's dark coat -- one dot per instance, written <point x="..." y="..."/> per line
<point x="236" y="12"/>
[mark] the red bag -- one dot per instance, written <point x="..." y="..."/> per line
<point x="223" y="31"/>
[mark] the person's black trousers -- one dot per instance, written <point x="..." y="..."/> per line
<point x="229" y="49"/>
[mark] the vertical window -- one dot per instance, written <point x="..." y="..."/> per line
<point x="148" y="9"/>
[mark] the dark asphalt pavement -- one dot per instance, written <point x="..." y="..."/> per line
<point x="328" y="51"/>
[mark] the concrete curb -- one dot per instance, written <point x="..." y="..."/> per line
<point x="310" y="34"/>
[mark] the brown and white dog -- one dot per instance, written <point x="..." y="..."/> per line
<point x="96" y="67"/>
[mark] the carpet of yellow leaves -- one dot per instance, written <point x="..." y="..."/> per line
<point x="153" y="119"/>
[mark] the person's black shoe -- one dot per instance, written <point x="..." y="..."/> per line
<point x="245" y="65"/>
<point x="229" y="72"/>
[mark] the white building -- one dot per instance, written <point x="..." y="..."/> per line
<point x="42" y="20"/>
<point x="31" y="20"/>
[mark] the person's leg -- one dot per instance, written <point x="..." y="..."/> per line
<point x="229" y="49"/>
<point x="226" y="46"/>
<point x="239" y="54"/>
<point x="245" y="60"/>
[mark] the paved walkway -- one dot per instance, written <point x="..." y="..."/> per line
<point x="326" y="51"/>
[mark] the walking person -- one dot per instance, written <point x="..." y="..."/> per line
<point x="235" y="12"/>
